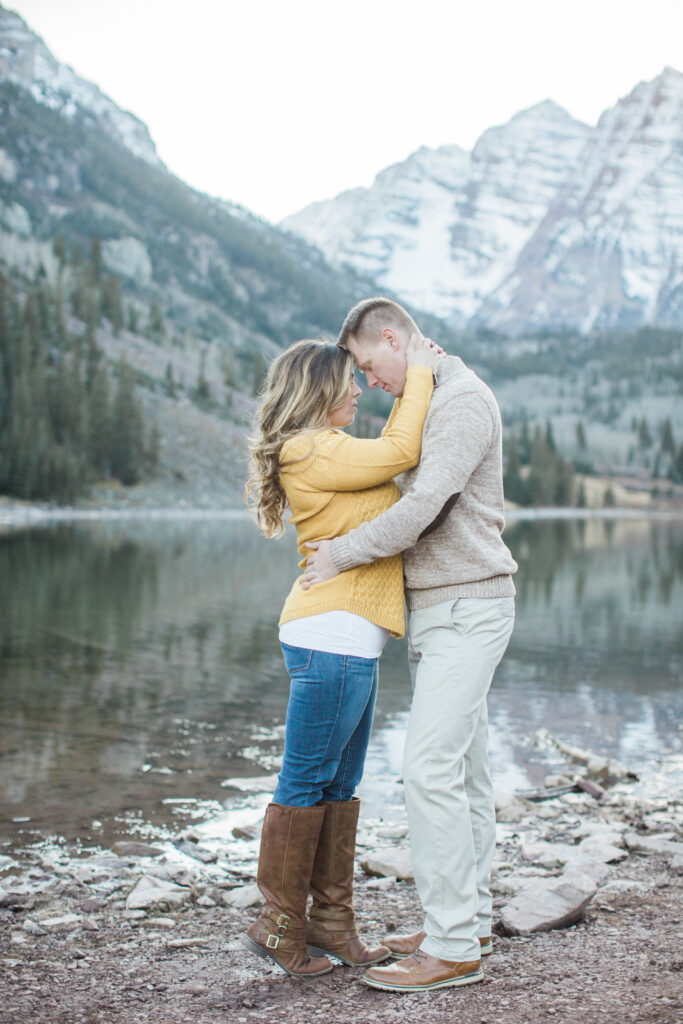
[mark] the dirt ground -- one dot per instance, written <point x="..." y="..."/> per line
<point x="622" y="964"/>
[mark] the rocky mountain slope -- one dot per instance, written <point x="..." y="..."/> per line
<point x="547" y="224"/>
<point x="209" y="291"/>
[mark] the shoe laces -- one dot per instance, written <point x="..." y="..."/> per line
<point x="418" y="955"/>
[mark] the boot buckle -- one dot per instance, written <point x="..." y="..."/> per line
<point x="282" y="922"/>
<point x="273" y="941"/>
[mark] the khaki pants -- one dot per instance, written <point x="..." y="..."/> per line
<point x="454" y="650"/>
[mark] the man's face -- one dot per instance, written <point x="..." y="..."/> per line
<point x="383" y="362"/>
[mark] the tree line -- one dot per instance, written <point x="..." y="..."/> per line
<point x="67" y="420"/>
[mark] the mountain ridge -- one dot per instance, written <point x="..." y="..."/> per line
<point x="489" y="249"/>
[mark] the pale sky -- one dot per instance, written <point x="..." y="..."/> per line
<point x="274" y="104"/>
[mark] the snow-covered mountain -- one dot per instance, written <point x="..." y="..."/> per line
<point x="547" y="223"/>
<point x="26" y="60"/>
<point x="609" y="252"/>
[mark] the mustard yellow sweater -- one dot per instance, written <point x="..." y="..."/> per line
<point x="340" y="482"/>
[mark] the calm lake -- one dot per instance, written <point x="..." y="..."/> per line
<point x="140" y="667"/>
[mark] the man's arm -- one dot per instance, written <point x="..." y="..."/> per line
<point x="457" y="438"/>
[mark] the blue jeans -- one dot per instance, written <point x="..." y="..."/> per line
<point x="329" y="717"/>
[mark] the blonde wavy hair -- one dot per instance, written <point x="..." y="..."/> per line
<point x="303" y="386"/>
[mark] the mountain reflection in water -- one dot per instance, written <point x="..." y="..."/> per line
<point x="139" y="662"/>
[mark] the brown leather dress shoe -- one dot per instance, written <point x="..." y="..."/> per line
<point x="420" y="972"/>
<point x="403" y="945"/>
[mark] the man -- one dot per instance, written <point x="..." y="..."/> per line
<point x="460" y="599"/>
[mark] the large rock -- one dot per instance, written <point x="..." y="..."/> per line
<point x="510" y="807"/>
<point x="392" y="860"/>
<point x="548" y="855"/>
<point x="599" y="848"/>
<point x="132" y="848"/>
<point x="257" y="784"/>
<point x="129" y="258"/>
<point x="664" y="844"/>
<point x="64" y="923"/>
<point x="548" y="903"/>
<point x="150" y="892"/>
<point x="243" y="896"/>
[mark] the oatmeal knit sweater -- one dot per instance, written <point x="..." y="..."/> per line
<point x="450" y="519"/>
<point x="335" y="482"/>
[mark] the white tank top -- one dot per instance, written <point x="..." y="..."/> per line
<point x="337" y="632"/>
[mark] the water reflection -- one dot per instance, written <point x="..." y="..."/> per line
<point x="138" y="660"/>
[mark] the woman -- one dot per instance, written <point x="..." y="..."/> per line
<point x="331" y="639"/>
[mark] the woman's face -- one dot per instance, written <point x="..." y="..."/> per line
<point x="343" y="414"/>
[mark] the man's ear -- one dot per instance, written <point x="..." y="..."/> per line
<point x="389" y="336"/>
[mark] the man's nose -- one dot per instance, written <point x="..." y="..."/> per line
<point x="372" y="381"/>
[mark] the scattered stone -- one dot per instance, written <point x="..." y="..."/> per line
<point x="92" y="906"/>
<point x="191" y="849"/>
<point x="676" y="863"/>
<point x="261" y="784"/>
<point x="134" y="849"/>
<point x="12" y="900"/>
<point x="33" y="928"/>
<point x="664" y="844"/>
<point x="382" y="883"/>
<point x="159" y="922"/>
<point x="599" y="848"/>
<point x="134" y="915"/>
<point x="186" y="943"/>
<point x="548" y="855"/>
<point x="595" y="869"/>
<point x="392" y="832"/>
<point x="90" y="924"/>
<point x="553" y="781"/>
<point x="391" y="860"/>
<point x="243" y="896"/>
<point x="150" y="891"/>
<point x="246" y="832"/>
<point x="547" y="904"/>
<point x="510" y="807"/>
<point x="621" y="885"/>
<point x="206" y="901"/>
<point x="67" y="922"/>
<point x="91" y="873"/>
<point x="5" y="862"/>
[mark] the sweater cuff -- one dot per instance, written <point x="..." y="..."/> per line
<point x="340" y="553"/>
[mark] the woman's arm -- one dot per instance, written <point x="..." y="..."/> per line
<point x="340" y="462"/>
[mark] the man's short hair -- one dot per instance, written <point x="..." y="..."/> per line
<point x="369" y="317"/>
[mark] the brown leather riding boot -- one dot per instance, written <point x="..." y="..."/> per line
<point x="332" y="923"/>
<point x="288" y="845"/>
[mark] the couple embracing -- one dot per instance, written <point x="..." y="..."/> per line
<point x="443" y="535"/>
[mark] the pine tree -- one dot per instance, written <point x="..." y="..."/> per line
<point x="127" y="453"/>
<point x="112" y="302"/>
<point x="155" y="322"/>
<point x="514" y="485"/>
<point x="580" y="436"/>
<point x="644" y="436"/>
<point x="549" y="437"/>
<point x="667" y="443"/>
<point x="153" y="452"/>
<point x="95" y="259"/>
<point x="132" y="318"/>
<point x="169" y="381"/>
<point x="100" y="440"/>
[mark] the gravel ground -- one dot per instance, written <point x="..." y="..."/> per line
<point x="621" y="964"/>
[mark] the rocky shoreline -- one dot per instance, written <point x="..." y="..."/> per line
<point x="587" y="903"/>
